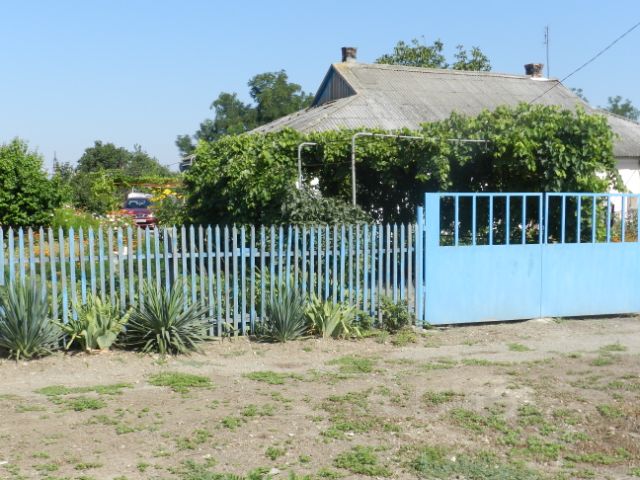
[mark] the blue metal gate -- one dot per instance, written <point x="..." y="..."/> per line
<point x="506" y="256"/>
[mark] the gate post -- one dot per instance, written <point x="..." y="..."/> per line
<point x="430" y="242"/>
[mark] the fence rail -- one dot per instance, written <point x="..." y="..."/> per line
<point x="232" y="270"/>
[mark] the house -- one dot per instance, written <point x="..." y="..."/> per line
<point x="390" y="97"/>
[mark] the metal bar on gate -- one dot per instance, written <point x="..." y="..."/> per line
<point x="365" y="267"/>
<point x="218" y="283"/>
<point x="419" y="239"/>
<point x="524" y="219"/>
<point x="304" y="261"/>
<point x="252" y="275"/>
<point x="263" y="272"/>
<point x="210" y="281"/>
<point x="507" y="230"/>
<point x="312" y="257"/>
<point x="402" y="260"/>
<point x="623" y="200"/>
<point x="394" y="262"/>
<point x="594" y="205"/>
<point x="608" y="218"/>
<point x="474" y="198"/>
<point x="456" y="219"/>
<point x="578" y="219"/>
<point x="334" y="253"/>
<point x="342" y="262"/>
<point x="563" y="218"/>
<point x="243" y="279"/>
<point x="491" y="220"/>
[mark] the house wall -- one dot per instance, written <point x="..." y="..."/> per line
<point x="629" y="169"/>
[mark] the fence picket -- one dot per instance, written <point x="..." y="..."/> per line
<point x="1" y="256"/>
<point x="252" y="270"/>
<point x="121" y="277"/>
<point x="32" y="259"/>
<point x="43" y="265"/>
<point x="21" y="262"/>
<point x="210" y="303"/>
<point x="218" y="283"/>
<point x="83" y="270"/>
<point x="11" y="252"/>
<point x="72" y="272"/>
<point x="52" y="263"/>
<point x="63" y="276"/>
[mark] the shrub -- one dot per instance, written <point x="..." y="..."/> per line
<point x="97" y="325"/>
<point x="332" y="319"/>
<point x="395" y="315"/>
<point x="25" y="328"/>
<point x="27" y="196"/>
<point x="162" y="324"/>
<point x="68" y="217"/>
<point x="285" y="319"/>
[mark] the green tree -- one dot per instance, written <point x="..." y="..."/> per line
<point x="107" y="156"/>
<point x="273" y="97"/>
<point x="623" y="108"/>
<point x="416" y="53"/>
<point x="530" y="148"/>
<point x="580" y="94"/>
<point x="27" y="196"/>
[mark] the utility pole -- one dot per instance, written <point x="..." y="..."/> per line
<point x="546" y="43"/>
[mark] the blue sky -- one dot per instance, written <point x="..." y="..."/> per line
<point x="142" y="71"/>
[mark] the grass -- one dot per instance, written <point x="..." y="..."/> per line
<point x="80" y="404"/>
<point x="270" y="377"/>
<point x="363" y="461"/>
<point x="610" y="411"/>
<point x="518" y="347"/>
<point x="197" y="438"/>
<point x="436" y="462"/>
<point x="438" y="398"/>
<point x="404" y="337"/>
<point x="613" y="347"/>
<point x="273" y="453"/>
<point x="352" y="364"/>
<point x="603" y="360"/>
<point x="60" y="390"/>
<point x="179" y="382"/>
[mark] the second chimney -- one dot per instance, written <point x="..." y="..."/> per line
<point x="349" y="54"/>
<point x="534" y="69"/>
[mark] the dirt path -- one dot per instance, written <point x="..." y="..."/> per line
<point x="537" y="399"/>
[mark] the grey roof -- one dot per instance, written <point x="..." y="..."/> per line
<point x="392" y="97"/>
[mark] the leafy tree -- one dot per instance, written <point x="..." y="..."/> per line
<point x="622" y="108"/>
<point x="531" y="148"/>
<point x="308" y="206"/>
<point x="95" y="192"/>
<point x="418" y="54"/>
<point x="27" y="196"/>
<point x="580" y="94"/>
<point x="273" y="96"/>
<point x="107" y="156"/>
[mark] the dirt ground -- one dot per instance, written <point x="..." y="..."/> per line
<point x="539" y="399"/>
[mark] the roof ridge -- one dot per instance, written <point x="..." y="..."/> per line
<point x="439" y="71"/>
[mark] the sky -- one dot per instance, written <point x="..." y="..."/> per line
<point x="144" y="71"/>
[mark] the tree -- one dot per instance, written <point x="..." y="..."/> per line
<point x="530" y="148"/>
<point x="580" y="94"/>
<point x="418" y="54"/>
<point x="27" y="196"/>
<point x="624" y="109"/>
<point x="273" y="96"/>
<point x="107" y="156"/>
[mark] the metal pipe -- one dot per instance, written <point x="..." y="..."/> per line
<point x="300" y="147"/>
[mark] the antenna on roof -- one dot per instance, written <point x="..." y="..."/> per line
<point x="546" y="43"/>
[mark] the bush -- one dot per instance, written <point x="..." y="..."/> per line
<point x="68" y="217"/>
<point x="395" y="315"/>
<point x="161" y="324"/>
<point x="97" y="325"/>
<point x="27" y="196"/>
<point x="168" y="207"/>
<point x="285" y="319"/>
<point x="26" y="330"/>
<point x="310" y="207"/>
<point x="330" y="319"/>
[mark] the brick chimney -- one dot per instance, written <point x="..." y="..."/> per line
<point x="349" y="54"/>
<point x="534" y="69"/>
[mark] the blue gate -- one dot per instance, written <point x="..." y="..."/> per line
<point x="506" y="256"/>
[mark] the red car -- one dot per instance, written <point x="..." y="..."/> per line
<point x="138" y="205"/>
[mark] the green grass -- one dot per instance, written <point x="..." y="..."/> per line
<point x="353" y="365"/>
<point x="613" y="347"/>
<point x="231" y="422"/>
<point x="603" y="360"/>
<point x="438" y="398"/>
<point x="87" y="466"/>
<point x="80" y="404"/>
<point x="518" y="347"/>
<point x="270" y="377"/>
<point x="179" y="382"/>
<point x="252" y="410"/>
<point x="437" y="463"/>
<point x="610" y="411"/>
<point x="363" y="461"/>
<point x="404" y="337"/>
<point x="197" y="438"/>
<point x="273" y="453"/>
<point x="60" y="390"/>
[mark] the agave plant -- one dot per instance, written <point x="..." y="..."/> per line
<point x="26" y="331"/>
<point x="331" y="319"/>
<point x="162" y="324"/>
<point x="285" y="317"/>
<point x="97" y="325"/>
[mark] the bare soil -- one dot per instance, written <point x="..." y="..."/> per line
<point x="546" y="398"/>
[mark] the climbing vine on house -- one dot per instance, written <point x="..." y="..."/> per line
<point x="248" y="178"/>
